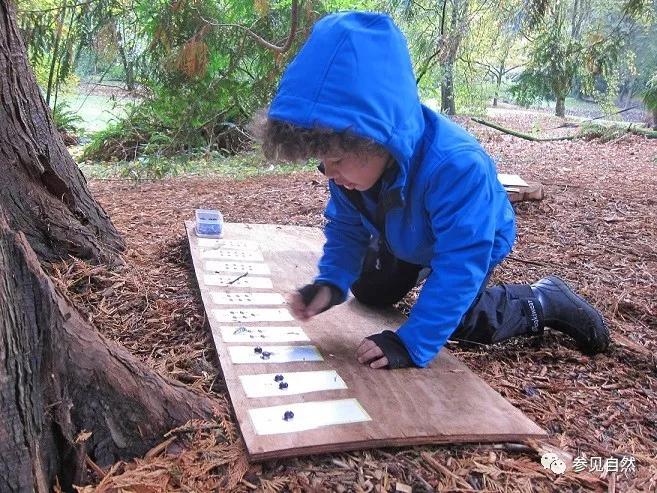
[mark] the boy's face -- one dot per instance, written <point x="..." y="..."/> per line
<point x="354" y="171"/>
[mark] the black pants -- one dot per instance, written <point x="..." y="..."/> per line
<point x="497" y="313"/>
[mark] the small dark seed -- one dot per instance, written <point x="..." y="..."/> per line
<point x="288" y="415"/>
<point x="282" y="385"/>
<point x="278" y="378"/>
<point x="257" y="349"/>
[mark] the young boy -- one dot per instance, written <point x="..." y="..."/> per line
<point x="411" y="194"/>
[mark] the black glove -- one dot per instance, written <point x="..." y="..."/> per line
<point x="393" y="348"/>
<point x="309" y="291"/>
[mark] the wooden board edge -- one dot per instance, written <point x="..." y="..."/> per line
<point x="334" y="448"/>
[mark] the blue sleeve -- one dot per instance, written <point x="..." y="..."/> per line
<point x="459" y="202"/>
<point x="346" y="242"/>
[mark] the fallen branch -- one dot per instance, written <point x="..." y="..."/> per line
<point x="520" y="134"/>
<point x="644" y="132"/>
<point x="650" y="134"/>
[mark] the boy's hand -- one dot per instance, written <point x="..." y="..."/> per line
<point x="369" y="352"/>
<point x="384" y="350"/>
<point x="318" y="302"/>
<point x="308" y="301"/>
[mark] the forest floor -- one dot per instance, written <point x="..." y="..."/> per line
<point x="596" y="228"/>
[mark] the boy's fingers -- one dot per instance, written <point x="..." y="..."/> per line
<point x="364" y="346"/>
<point x="297" y="306"/>
<point x="379" y="363"/>
<point x="321" y="299"/>
<point x="371" y="354"/>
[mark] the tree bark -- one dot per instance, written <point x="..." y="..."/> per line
<point x="560" y="109"/>
<point x="498" y="84"/>
<point x="654" y="118"/>
<point x="447" y="99"/>
<point x="127" y="68"/>
<point x="60" y="377"/>
<point x="128" y="65"/>
<point x="42" y="190"/>
<point x="458" y="30"/>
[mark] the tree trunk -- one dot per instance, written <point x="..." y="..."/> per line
<point x="654" y="118"/>
<point x="560" y="109"/>
<point x="127" y="64"/>
<point x="60" y="377"/>
<point x="42" y="191"/>
<point x="498" y="84"/>
<point x="457" y="31"/>
<point x="447" y="100"/>
<point x="127" y="67"/>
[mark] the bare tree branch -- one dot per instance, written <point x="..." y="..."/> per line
<point x="294" y="19"/>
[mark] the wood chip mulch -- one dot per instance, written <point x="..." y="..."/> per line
<point x="596" y="228"/>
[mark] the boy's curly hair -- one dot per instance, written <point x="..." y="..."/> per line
<point x="282" y="140"/>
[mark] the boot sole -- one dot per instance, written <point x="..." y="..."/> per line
<point x="600" y="340"/>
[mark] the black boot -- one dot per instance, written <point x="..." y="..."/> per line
<point x="567" y="312"/>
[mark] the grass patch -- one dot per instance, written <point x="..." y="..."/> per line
<point x="240" y="166"/>
<point x="95" y="112"/>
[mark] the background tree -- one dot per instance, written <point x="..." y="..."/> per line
<point x="575" y="39"/>
<point x="650" y="98"/>
<point x="435" y="34"/>
<point x="208" y="72"/>
<point x="457" y="45"/>
<point x="492" y="50"/>
<point x="555" y="57"/>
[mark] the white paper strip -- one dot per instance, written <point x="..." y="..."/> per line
<point x="237" y="298"/>
<point x="245" y="282"/>
<point x="511" y="180"/>
<point x="240" y="267"/>
<point x="273" y="354"/>
<point x="299" y="382"/>
<point x="239" y="244"/>
<point x="246" y="315"/>
<point x="307" y="416"/>
<point x="223" y="253"/>
<point x="241" y="333"/>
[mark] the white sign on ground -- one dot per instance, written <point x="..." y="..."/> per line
<point x="241" y="333"/>
<point x="298" y="382"/>
<point x="306" y="416"/>
<point x="273" y="354"/>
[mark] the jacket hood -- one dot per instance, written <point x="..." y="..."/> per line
<point x="354" y="73"/>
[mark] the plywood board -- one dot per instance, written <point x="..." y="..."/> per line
<point x="533" y="191"/>
<point x="444" y="403"/>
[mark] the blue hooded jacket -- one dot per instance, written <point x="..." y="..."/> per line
<point x="444" y="206"/>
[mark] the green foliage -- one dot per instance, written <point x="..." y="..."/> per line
<point x="578" y="43"/>
<point x="649" y="95"/>
<point x="602" y="133"/>
<point x="240" y="166"/>
<point x="179" y="120"/>
<point x="473" y="92"/>
<point x="206" y="77"/>
<point x="65" y="119"/>
<point x="554" y="60"/>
